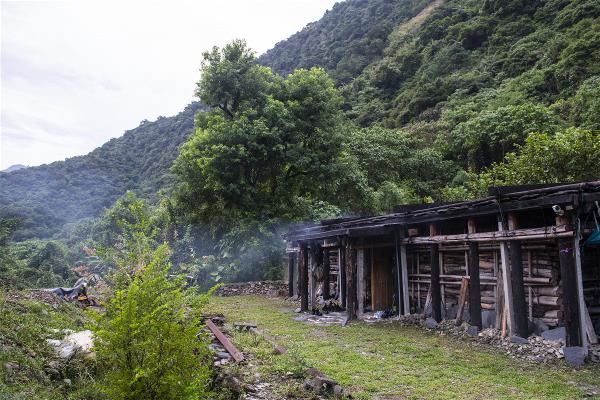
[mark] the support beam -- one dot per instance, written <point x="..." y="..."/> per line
<point x="303" y="267"/>
<point x="350" y="283"/>
<point x="360" y="283"/>
<point x="291" y="257"/>
<point x="398" y="277"/>
<point x="342" y="271"/>
<point x="519" y="323"/>
<point x="404" y="265"/>
<point x="326" y="270"/>
<point x="569" y="285"/>
<point x="436" y="295"/>
<point x="584" y="316"/>
<point x="506" y="281"/>
<point x="568" y="277"/>
<point x="402" y="275"/>
<point x="474" y="280"/>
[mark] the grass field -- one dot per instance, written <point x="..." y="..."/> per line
<point x="386" y="361"/>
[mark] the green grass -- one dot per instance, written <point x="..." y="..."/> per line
<point x="387" y="361"/>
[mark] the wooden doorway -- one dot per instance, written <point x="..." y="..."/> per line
<point x="382" y="279"/>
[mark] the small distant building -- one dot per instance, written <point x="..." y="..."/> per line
<point x="519" y="257"/>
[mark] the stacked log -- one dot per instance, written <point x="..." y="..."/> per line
<point x="334" y="270"/>
<point x="541" y="278"/>
<point x="546" y="299"/>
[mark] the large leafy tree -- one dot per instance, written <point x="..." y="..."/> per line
<point x="268" y="147"/>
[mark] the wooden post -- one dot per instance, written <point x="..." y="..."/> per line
<point x="583" y="312"/>
<point x="569" y="285"/>
<point x="474" y="281"/>
<point x="519" y="323"/>
<point x="400" y="282"/>
<point x="436" y="295"/>
<point x="326" y="268"/>
<point x="350" y="283"/>
<point x="342" y="270"/>
<point x="462" y="299"/>
<point x="404" y="265"/>
<point x="291" y="257"/>
<point x="360" y="283"/>
<point x="303" y="264"/>
<point x="506" y="281"/>
<point x="499" y="291"/>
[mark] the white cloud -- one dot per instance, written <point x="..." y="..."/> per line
<point x="76" y="73"/>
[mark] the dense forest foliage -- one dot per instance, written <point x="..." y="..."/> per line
<point x="48" y="197"/>
<point x="348" y="38"/>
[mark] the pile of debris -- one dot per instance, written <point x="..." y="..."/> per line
<point x="548" y="347"/>
<point x="263" y="288"/>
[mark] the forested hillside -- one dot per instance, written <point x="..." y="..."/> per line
<point x="453" y="86"/>
<point x="47" y="197"/>
<point x="347" y="39"/>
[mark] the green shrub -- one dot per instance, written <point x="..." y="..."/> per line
<point x="147" y="342"/>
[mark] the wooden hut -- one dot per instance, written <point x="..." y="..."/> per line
<point x="517" y="257"/>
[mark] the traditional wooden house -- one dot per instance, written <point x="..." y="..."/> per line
<point x="520" y="256"/>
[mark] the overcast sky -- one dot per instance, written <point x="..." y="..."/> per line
<point x="77" y="73"/>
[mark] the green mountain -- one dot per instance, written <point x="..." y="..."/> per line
<point x="469" y="78"/>
<point x="347" y="39"/>
<point x="47" y="197"/>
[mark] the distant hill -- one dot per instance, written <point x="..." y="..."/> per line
<point x="49" y="196"/>
<point x="15" y="167"/>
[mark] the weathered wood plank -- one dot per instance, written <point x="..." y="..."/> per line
<point x="231" y="349"/>
<point x="462" y="300"/>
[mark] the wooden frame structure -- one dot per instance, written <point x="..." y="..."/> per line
<point x="516" y="253"/>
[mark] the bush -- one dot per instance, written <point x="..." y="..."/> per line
<point x="147" y="341"/>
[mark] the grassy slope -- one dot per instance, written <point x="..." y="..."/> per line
<point x="388" y="361"/>
<point x="25" y="324"/>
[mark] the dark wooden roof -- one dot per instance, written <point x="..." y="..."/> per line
<point x="512" y="198"/>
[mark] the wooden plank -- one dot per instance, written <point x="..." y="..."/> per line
<point x="360" y="284"/>
<point x="570" y="296"/>
<point x="398" y="260"/>
<point x="504" y="320"/>
<point x="231" y="349"/>
<point x="382" y="280"/>
<point x="462" y="300"/>
<point x="427" y="301"/>
<point x="580" y="296"/>
<point x="342" y="264"/>
<point x="326" y="272"/>
<point x="436" y="295"/>
<point x="474" y="286"/>
<point x="474" y="277"/>
<point x="404" y="268"/>
<point x="350" y="283"/>
<point x="519" y="325"/>
<point x="552" y="232"/>
<point x="506" y="282"/>
<point x="589" y="328"/>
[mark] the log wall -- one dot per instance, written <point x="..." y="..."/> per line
<point x="540" y="263"/>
